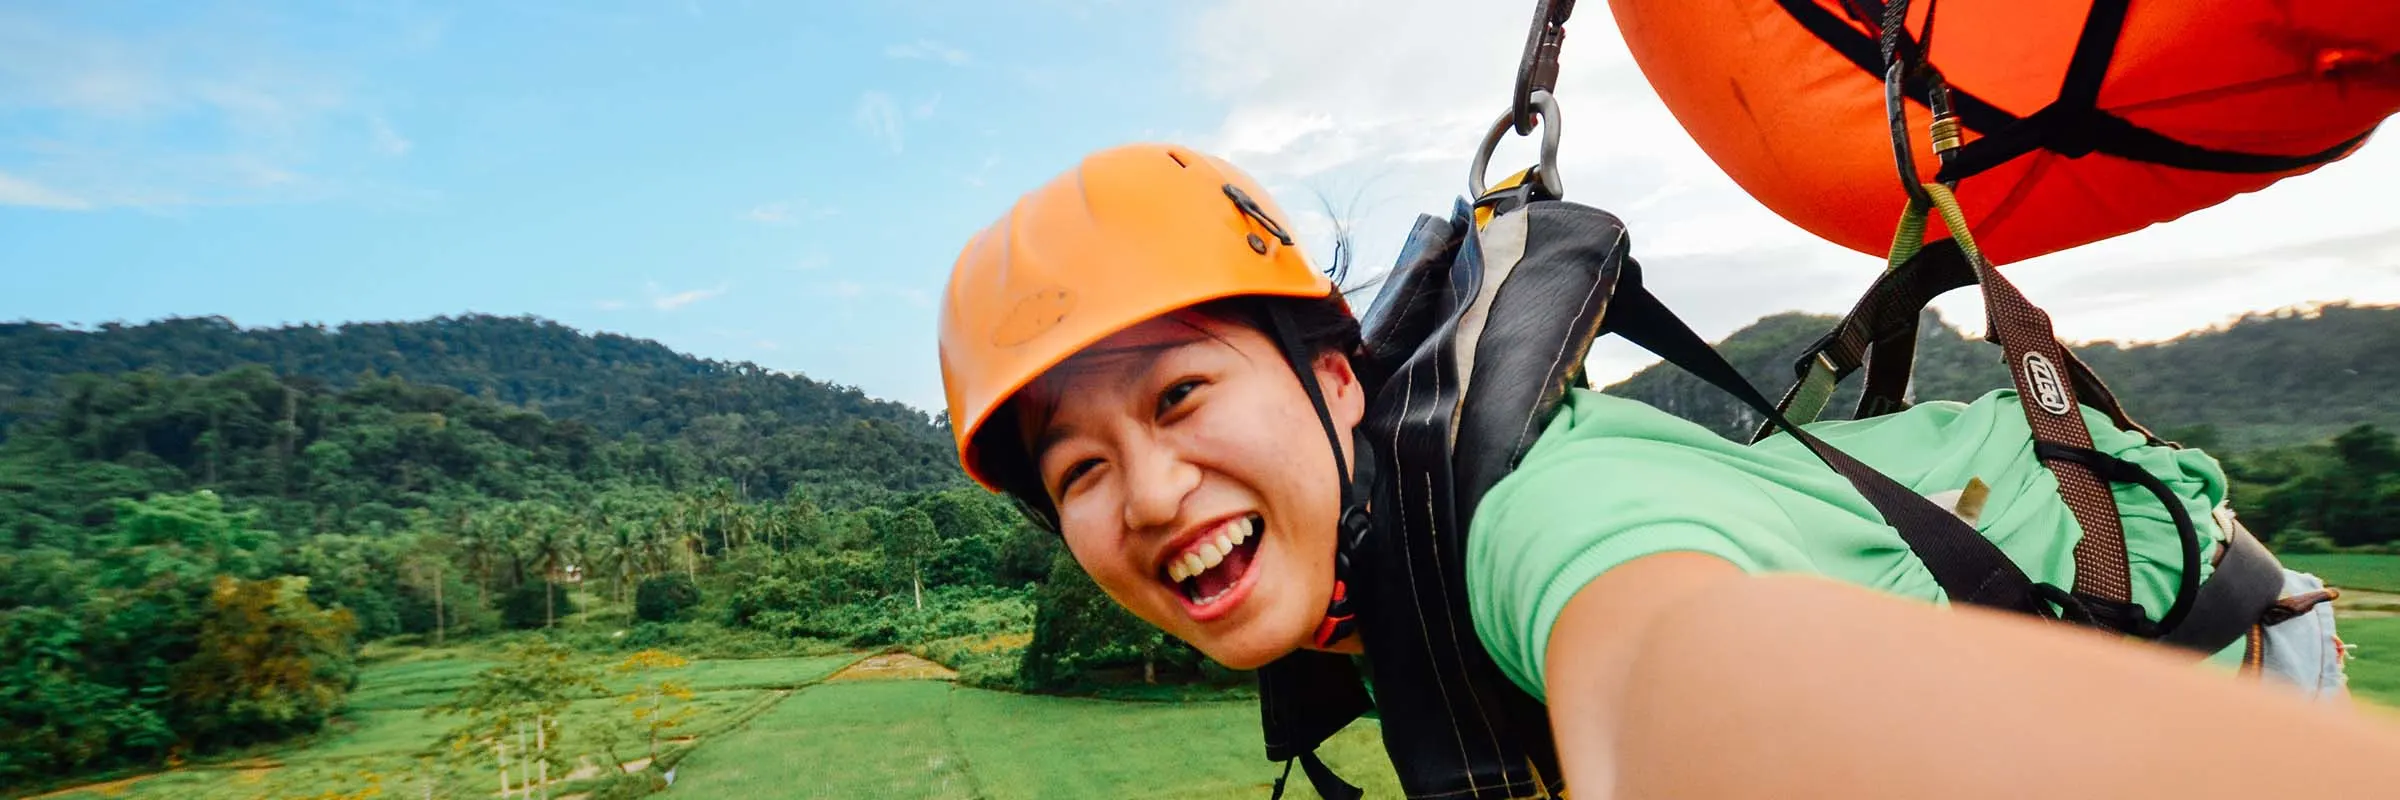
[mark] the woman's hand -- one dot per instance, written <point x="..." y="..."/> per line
<point x="1677" y="675"/>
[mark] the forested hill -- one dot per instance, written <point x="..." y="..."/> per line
<point x="2266" y="380"/>
<point x="763" y="430"/>
<point x="616" y="384"/>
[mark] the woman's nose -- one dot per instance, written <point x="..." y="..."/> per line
<point x="1156" y="484"/>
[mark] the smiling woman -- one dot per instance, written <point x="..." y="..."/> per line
<point x="1141" y="358"/>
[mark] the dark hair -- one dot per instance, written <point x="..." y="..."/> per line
<point x="1319" y="325"/>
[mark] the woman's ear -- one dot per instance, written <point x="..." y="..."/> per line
<point x="1345" y="397"/>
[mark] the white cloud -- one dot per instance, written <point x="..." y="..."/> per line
<point x="387" y="140"/>
<point x="665" y="301"/>
<point x="1387" y="132"/>
<point x="272" y="117"/>
<point x="976" y="178"/>
<point x="913" y="296"/>
<point x="879" y="116"/>
<point x="770" y="214"/>
<point x="786" y="213"/>
<point x="925" y="109"/>
<point x="15" y="191"/>
<point x="928" y="50"/>
<point x="683" y="298"/>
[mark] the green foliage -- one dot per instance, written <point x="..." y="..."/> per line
<point x="268" y="663"/>
<point x="763" y="430"/>
<point x="664" y="598"/>
<point x="2265" y="380"/>
<point x="1080" y="635"/>
<point x="984" y="662"/>
<point x="2343" y="494"/>
<point x="59" y="718"/>
<point x="527" y="608"/>
<point x="529" y="690"/>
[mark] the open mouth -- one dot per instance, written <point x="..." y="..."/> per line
<point x="1213" y="565"/>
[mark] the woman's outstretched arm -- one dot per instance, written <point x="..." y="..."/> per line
<point x="1678" y="675"/>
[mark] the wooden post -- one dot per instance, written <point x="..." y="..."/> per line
<point x="541" y="743"/>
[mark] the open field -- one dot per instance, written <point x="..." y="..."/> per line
<point x="929" y="739"/>
<point x="778" y="727"/>
<point x="768" y="728"/>
<point x="2350" y="571"/>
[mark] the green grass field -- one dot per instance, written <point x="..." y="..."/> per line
<point x="2349" y="571"/>
<point x="769" y="727"/>
<point x="928" y="739"/>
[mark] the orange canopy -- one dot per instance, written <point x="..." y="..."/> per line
<point x="2084" y="119"/>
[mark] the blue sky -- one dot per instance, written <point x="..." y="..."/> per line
<point x="783" y="183"/>
<point x="787" y="183"/>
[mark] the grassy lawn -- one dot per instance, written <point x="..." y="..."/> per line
<point x="921" y="739"/>
<point x="768" y="728"/>
<point x="2375" y="674"/>
<point x="413" y="684"/>
<point x="753" y="673"/>
<point x="2350" y="571"/>
<point x="883" y="739"/>
<point x="1023" y="746"/>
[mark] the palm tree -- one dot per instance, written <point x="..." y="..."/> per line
<point x="547" y="545"/>
<point x="622" y="551"/>
<point x="582" y="544"/>
<point x="481" y="537"/>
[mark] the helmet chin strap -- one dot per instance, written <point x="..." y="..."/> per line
<point x="1351" y="528"/>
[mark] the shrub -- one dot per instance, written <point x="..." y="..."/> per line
<point x="523" y="608"/>
<point x="664" y="598"/>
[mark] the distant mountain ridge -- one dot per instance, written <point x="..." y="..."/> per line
<point x="737" y="419"/>
<point x="525" y="361"/>
<point x="2264" y="380"/>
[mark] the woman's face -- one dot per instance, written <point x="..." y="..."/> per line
<point x="1193" y="480"/>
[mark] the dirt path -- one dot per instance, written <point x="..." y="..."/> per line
<point x="894" y="667"/>
<point x="104" y="789"/>
<point x="250" y="769"/>
<point x="2363" y="604"/>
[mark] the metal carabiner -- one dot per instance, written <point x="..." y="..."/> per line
<point x="1537" y="70"/>
<point x="1895" y="108"/>
<point x="1547" y="170"/>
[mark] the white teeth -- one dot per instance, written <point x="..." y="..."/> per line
<point x="1211" y="552"/>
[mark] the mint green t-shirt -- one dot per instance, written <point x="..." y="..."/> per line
<point x="1612" y="479"/>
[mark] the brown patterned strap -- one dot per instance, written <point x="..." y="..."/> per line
<point x="2043" y="373"/>
<point x="2036" y="362"/>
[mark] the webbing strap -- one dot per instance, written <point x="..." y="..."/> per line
<point x="2247" y="582"/>
<point x="2037" y="364"/>
<point x="1969" y="568"/>
<point x="1320" y="778"/>
<point x="2059" y="127"/>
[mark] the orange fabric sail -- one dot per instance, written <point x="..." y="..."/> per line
<point x="2083" y="119"/>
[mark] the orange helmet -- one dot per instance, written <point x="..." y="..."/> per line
<point x="1131" y="233"/>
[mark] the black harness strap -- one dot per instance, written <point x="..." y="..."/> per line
<point x="2071" y="129"/>
<point x="2246" y="585"/>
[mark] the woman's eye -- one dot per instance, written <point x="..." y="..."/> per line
<point x="1175" y="394"/>
<point x="1066" y="480"/>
